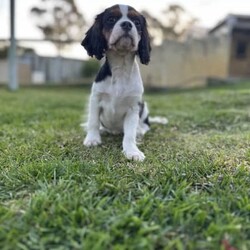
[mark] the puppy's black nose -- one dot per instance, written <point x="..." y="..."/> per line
<point x="126" y="26"/>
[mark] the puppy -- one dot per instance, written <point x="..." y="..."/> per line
<point x="119" y="34"/>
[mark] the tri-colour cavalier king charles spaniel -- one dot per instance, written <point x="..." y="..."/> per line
<point x="119" y="34"/>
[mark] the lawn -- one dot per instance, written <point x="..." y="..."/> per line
<point x="191" y="192"/>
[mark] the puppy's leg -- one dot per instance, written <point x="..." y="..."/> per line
<point x="93" y="137"/>
<point x="144" y="124"/>
<point x="130" y="149"/>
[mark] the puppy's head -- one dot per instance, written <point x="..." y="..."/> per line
<point x="120" y="28"/>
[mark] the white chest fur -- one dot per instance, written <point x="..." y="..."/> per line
<point x="118" y="94"/>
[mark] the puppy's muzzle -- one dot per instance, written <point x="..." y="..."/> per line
<point x="126" y="26"/>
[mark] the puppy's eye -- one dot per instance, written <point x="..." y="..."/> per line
<point x="111" y="20"/>
<point x="136" y="22"/>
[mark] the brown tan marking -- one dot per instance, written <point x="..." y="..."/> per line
<point x="133" y="13"/>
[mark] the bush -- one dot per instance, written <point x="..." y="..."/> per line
<point x="90" y="68"/>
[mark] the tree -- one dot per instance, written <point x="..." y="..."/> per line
<point x="59" y="20"/>
<point x="174" y="24"/>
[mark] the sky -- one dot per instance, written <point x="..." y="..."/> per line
<point x="208" y="12"/>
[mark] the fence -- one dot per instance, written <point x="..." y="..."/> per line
<point x="173" y="64"/>
<point x="34" y="68"/>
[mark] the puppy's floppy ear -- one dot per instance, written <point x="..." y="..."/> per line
<point x="95" y="42"/>
<point x="144" y="47"/>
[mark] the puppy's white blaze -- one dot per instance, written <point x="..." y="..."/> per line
<point x="123" y="9"/>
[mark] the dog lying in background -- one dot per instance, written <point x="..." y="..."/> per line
<point x="119" y="34"/>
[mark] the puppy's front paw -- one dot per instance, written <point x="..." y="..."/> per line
<point x="135" y="155"/>
<point x="91" y="141"/>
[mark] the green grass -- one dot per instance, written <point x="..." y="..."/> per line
<point x="191" y="192"/>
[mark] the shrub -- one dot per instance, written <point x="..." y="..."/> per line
<point x="90" y="68"/>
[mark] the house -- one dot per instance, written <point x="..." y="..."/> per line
<point x="237" y="28"/>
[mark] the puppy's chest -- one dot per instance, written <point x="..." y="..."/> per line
<point x="118" y="96"/>
<point x="115" y="100"/>
<point x="115" y="103"/>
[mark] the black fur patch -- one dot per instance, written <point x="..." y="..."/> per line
<point x="104" y="72"/>
<point x="144" y="47"/>
<point x="146" y="121"/>
<point x="94" y="41"/>
<point x="141" y="106"/>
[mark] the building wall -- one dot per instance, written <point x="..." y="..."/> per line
<point x="187" y="64"/>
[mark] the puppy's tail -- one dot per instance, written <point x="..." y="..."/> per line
<point x="158" y="119"/>
<point x="84" y="125"/>
<point x="152" y="119"/>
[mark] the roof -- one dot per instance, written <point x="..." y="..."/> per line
<point x="233" y="21"/>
